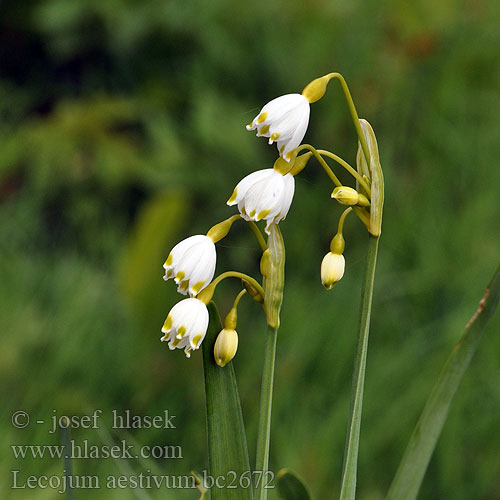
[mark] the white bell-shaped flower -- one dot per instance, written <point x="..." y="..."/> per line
<point x="264" y="195"/>
<point x="186" y="325"/>
<point x="284" y="120"/>
<point x="192" y="264"/>
<point x="332" y="269"/>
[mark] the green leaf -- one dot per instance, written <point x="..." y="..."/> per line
<point x="227" y="444"/>
<point x="411" y="471"/>
<point x="291" y="486"/>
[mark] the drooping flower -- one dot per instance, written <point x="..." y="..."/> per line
<point x="264" y="195"/>
<point x="284" y="120"/>
<point x="192" y="264"/>
<point x="186" y="325"/>
<point x="332" y="269"/>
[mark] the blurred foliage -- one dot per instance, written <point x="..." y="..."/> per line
<point x="122" y="131"/>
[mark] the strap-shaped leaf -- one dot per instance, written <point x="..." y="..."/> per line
<point x="227" y="444"/>
<point x="411" y="471"/>
<point x="291" y="486"/>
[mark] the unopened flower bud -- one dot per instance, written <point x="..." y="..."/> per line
<point x="226" y="346"/>
<point x="253" y="292"/>
<point x="346" y="195"/>
<point x="332" y="269"/>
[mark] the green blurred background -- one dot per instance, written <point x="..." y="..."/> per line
<point x="122" y="132"/>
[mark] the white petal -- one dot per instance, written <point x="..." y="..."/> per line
<point x="248" y="181"/>
<point x="299" y="133"/>
<point x="287" y="124"/>
<point x="203" y="272"/>
<point x="199" y="324"/>
<point x="182" y="246"/>
<point x="188" y="257"/>
<point x="183" y="343"/>
<point x="289" y="181"/>
<point x="280" y="106"/>
<point x="264" y="196"/>
<point x="190" y="314"/>
<point x="271" y="195"/>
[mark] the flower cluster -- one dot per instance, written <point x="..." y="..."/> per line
<point x="263" y="195"/>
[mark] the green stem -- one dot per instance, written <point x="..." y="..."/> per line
<point x="345" y="213"/>
<point x="322" y="162"/>
<point x="348" y="488"/>
<point x="354" y="114"/>
<point x="348" y="167"/>
<point x="258" y="235"/>
<point x="238" y="298"/>
<point x="206" y="294"/>
<point x="264" y="429"/>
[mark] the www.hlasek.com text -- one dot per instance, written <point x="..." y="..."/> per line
<point x="86" y="450"/>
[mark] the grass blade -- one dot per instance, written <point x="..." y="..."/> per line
<point x="291" y="487"/>
<point x="411" y="471"/>
<point x="227" y="444"/>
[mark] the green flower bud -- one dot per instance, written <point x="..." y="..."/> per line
<point x="253" y="292"/>
<point x="346" y="195"/>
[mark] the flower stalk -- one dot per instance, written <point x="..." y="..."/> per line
<point x="354" y="114"/>
<point x="266" y="399"/>
<point x="273" y="270"/>
<point x="348" y="488"/>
